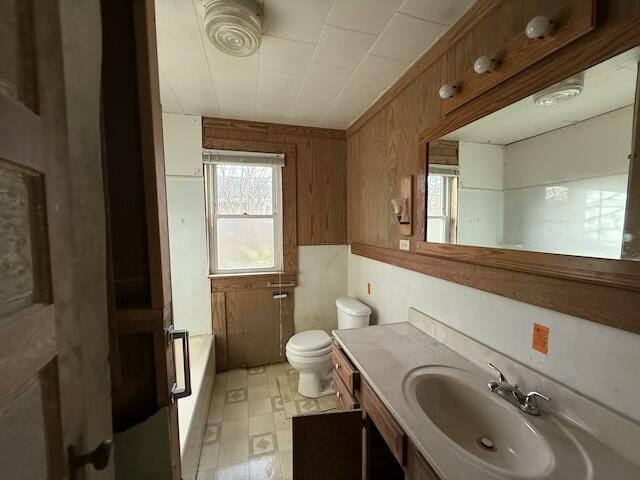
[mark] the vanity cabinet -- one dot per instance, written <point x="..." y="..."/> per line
<point x="361" y="441"/>
<point x="346" y="380"/>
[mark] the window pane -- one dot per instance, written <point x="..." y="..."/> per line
<point x="245" y="243"/>
<point x="435" y="195"/>
<point x="244" y="189"/>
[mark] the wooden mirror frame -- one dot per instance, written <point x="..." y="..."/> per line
<point x="606" y="291"/>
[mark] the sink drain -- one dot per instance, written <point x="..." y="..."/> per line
<point x="486" y="444"/>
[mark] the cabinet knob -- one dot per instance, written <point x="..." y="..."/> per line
<point x="337" y="394"/>
<point x="337" y="366"/>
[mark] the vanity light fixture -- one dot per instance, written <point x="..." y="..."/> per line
<point x="448" y="91"/>
<point x="561" y="91"/>
<point x="234" y="26"/>
<point x="399" y="207"/>
<point x="539" y="27"/>
<point x="484" y="64"/>
<point x="402" y="207"/>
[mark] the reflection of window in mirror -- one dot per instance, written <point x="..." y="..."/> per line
<point x="442" y="203"/>
<point x="549" y="173"/>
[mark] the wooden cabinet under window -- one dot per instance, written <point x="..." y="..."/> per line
<point x="252" y="325"/>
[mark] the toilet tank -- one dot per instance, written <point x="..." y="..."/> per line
<point x="352" y="313"/>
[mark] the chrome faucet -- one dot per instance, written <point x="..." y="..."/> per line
<point x="528" y="403"/>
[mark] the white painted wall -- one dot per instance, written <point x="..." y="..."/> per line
<point x="182" y="144"/>
<point x="480" y="194"/>
<point x="322" y="277"/>
<point x="187" y="235"/>
<point x="595" y="360"/>
<point x="565" y="191"/>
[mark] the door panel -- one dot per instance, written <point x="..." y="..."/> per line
<point x="23" y="236"/>
<point x="258" y="325"/>
<point x="328" y="445"/>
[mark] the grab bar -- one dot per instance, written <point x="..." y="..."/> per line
<point x="183" y="335"/>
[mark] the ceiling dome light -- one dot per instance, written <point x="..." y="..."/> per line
<point x="234" y="26"/>
<point x="561" y="91"/>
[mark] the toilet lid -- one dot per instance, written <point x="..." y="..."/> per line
<point x="309" y="341"/>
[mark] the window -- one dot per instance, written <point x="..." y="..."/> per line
<point x="244" y="211"/>
<point x="442" y="194"/>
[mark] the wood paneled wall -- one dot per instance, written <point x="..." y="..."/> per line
<point x="383" y="144"/>
<point x="321" y="173"/>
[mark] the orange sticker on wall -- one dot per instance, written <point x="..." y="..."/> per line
<point x="541" y="338"/>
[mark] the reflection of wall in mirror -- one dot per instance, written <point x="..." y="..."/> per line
<point x="480" y="196"/>
<point x="565" y="191"/>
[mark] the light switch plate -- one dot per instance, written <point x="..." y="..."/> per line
<point x="405" y="245"/>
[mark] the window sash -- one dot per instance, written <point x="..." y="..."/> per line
<point x="213" y="215"/>
<point x="448" y="185"/>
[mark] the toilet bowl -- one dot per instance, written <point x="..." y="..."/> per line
<point x="310" y="352"/>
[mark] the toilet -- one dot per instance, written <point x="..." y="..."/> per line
<point x="310" y="352"/>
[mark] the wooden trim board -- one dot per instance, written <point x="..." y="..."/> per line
<point x="208" y="122"/>
<point x="250" y="281"/>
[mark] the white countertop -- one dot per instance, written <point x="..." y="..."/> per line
<point x="386" y="354"/>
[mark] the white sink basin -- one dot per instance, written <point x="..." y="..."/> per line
<point x="488" y="431"/>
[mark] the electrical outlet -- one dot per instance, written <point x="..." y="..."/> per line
<point x="405" y="245"/>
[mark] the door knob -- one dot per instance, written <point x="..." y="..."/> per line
<point x="98" y="457"/>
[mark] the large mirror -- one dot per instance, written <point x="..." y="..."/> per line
<point x="549" y="173"/>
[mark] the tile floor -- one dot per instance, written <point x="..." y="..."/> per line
<point x="248" y="435"/>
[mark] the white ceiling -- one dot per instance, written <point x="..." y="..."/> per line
<point x="321" y="63"/>
<point x="608" y="86"/>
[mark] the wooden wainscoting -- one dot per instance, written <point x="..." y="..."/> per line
<point x="251" y="325"/>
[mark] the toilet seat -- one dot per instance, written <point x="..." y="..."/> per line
<point x="312" y="343"/>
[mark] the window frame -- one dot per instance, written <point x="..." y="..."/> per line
<point x="211" y="210"/>
<point x="450" y="186"/>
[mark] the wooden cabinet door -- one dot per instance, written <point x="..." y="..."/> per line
<point x="258" y="325"/>
<point x="54" y="380"/>
<point x="328" y="446"/>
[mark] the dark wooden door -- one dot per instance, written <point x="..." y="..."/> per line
<point x="52" y="394"/>
<point x="328" y="446"/>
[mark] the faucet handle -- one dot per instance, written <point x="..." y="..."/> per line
<point x="531" y="403"/>
<point x="501" y="377"/>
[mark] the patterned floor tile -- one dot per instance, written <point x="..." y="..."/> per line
<point x="263" y="444"/>
<point x="239" y="395"/>
<point x="307" y="406"/>
<point x="248" y="435"/>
